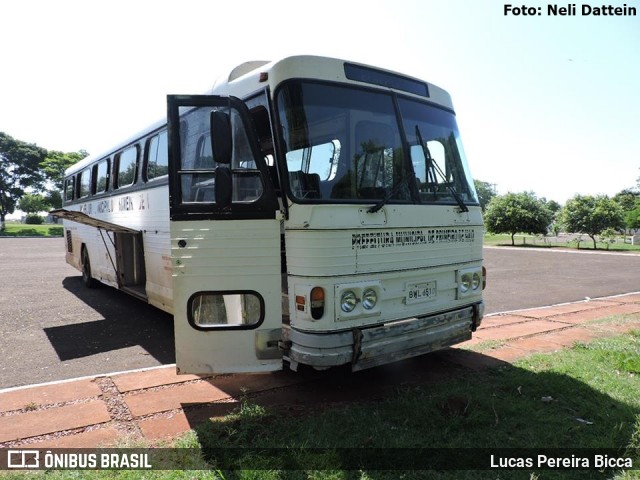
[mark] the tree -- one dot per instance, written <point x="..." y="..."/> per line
<point x="592" y="215"/>
<point x="19" y="170"/>
<point x="517" y="212"/>
<point x="553" y="206"/>
<point x="53" y="168"/>
<point x="33" y="203"/>
<point x="632" y="218"/>
<point x="55" y="163"/>
<point x="627" y="198"/>
<point x="485" y="191"/>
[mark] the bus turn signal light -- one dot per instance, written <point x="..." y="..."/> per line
<point x="317" y="302"/>
<point x="484" y="277"/>
<point x="301" y="303"/>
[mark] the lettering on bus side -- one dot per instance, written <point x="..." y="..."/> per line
<point x="129" y="203"/>
<point x="125" y="204"/>
<point x="86" y="208"/>
<point x="403" y="238"/>
<point x="105" y="206"/>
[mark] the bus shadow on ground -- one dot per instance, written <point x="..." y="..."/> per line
<point x="482" y="408"/>
<point x="127" y="322"/>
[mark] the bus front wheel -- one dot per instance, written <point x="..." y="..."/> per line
<point x="87" y="279"/>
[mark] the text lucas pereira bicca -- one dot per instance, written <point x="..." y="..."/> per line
<point x="568" y="462"/>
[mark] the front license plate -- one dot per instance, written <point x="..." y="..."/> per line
<point x="421" y="292"/>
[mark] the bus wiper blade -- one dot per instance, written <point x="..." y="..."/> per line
<point x="390" y="193"/>
<point x="427" y="155"/>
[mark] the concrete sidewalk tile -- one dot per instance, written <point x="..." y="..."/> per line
<point x="537" y="344"/>
<point x="625" y="309"/>
<point x="546" y="342"/>
<point x="241" y="383"/>
<point x="99" y="437"/>
<point x="506" y="354"/>
<point x="173" y="398"/>
<point x="566" y="338"/>
<point x="32" y="424"/>
<point x="598" y="313"/>
<point x="162" y="428"/>
<point x="531" y="327"/>
<point x="175" y="424"/>
<point x="157" y="377"/>
<point x="48" y="394"/>
<point x="502" y="320"/>
<point x="546" y="312"/>
<point x="632" y="298"/>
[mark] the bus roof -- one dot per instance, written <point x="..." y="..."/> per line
<point x="253" y="76"/>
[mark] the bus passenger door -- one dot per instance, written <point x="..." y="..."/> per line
<point x="225" y="240"/>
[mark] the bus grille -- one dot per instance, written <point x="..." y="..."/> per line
<point x="69" y="242"/>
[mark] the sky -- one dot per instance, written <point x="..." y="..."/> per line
<point x="544" y="103"/>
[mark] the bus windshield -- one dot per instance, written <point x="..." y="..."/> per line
<point x="345" y="144"/>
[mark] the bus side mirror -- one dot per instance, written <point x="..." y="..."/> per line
<point x="221" y="143"/>
<point x="224" y="188"/>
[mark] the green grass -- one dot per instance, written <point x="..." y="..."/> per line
<point x="22" y="230"/>
<point x="587" y="396"/>
<point x="538" y="241"/>
<point x="595" y="392"/>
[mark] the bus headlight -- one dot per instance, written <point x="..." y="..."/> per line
<point x="357" y="300"/>
<point x="369" y="299"/>
<point x="348" y="301"/>
<point x="476" y="281"/>
<point x="465" y="282"/>
<point x="469" y="281"/>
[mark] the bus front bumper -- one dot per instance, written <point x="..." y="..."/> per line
<point x="369" y="347"/>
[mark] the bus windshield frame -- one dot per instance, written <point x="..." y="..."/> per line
<point x="348" y="144"/>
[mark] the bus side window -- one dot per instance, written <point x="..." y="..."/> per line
<point x="126" y="166"/>
<point x="198" y="168"/>
<point x="100" y="177"/>
<point x="84" y="183"/>
<point x="213" y="309"/>
<point x="68" y="189"/>
<point x="247" y="182"/>
<point x="203" y="184"/>
<point x="157" y="159"/>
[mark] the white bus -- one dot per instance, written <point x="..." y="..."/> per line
<point x="306" y="211"/>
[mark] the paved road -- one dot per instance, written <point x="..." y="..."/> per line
<point x="526" y="277"/>
<point x="52" y="328"/>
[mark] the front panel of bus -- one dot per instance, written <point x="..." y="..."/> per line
<point x="384" y="230"/>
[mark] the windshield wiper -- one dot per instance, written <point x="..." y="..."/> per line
<point x="390" y="193"/>
<point x="436" y="168"/>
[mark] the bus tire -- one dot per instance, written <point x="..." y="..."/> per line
<point x="87" y="279"/>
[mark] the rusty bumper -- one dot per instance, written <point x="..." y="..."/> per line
<point x="369" y="347"/>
